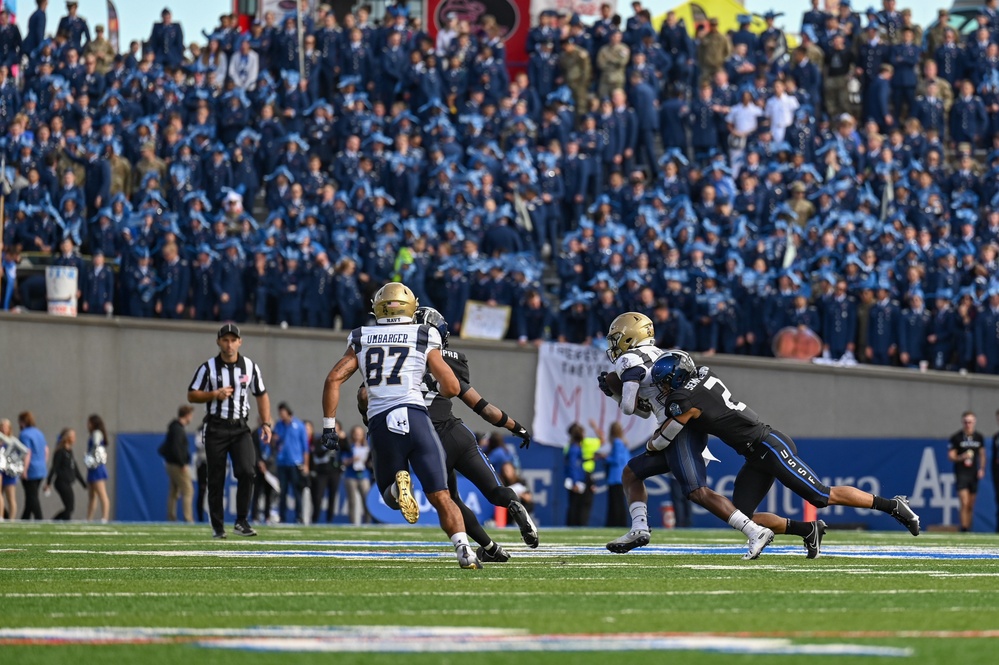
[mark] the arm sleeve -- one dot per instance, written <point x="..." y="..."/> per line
<point x="257" y="382"/>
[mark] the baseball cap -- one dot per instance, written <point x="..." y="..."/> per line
<point x="229" y="329"/>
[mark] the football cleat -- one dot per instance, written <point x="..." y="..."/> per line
<point x="407" y="502"/>
<point x="528" y="531"/>
<point x="466" y="559"/>
<point x="218" y="535"/>
<point x="757" y="543"/>
<point x="243" y="528"/>
<point x="904" y="515"/>
<point x="498" y="556"/>
<point x="813" y="541"/>
<point x="629" y="541"/>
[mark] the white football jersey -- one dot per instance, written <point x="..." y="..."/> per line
<point x="636" y="365"/>
<point x="393" y="359"/>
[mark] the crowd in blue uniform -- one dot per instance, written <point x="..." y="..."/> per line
<point x="726" y="185"/>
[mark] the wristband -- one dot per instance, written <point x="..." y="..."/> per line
<point x="501" y="421"/>
<point x="329" y="423"/>
<point x="517" y="426"/>
<point x="480" y="406"/>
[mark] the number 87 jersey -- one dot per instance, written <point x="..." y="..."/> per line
<point x="393" y="360"/>
<point x="721" y="415"/>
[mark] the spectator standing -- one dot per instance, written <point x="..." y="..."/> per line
<point x="780" y="110"/>
<point x="8" y="490"/>
<point x="224" y="384"/>
<point x="97" y="475"/>
<point x="35" y="464"/>
<point x="356" y="461"/>
<point x="36" y="28"/>
<point x="713" y="50"/>
<point x="615" y="455"/>
<point x="65" y="470"/>
<point x="177" y="455"/>
<point x="995" y="469"/>
<point x="967" y="452"/>
<point x="244" y="66"/>
<point x="166" y="42"/>
<point x="264" y="486"/>
<point x="292" y="460"/>
<point x="326" y="474"/>
<point x="75" y="28"/>
<point x="102" y="52"/>
<point x="579" y="467"/>
<point x="612" y="62"/>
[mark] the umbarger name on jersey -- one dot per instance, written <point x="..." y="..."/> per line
<point x="397" y="338"/>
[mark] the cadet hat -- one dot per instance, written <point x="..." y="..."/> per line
<point x="229" y="329"/>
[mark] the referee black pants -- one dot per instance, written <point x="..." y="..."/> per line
<point x="228" y="439"/>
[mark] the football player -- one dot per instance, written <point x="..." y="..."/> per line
<point x="697" y="399"/>
<point x="393" y="356"/>
<point x="461" y="450"/>
<point x="631" y="347"/>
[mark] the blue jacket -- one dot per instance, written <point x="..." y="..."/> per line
<point x="617" y="459"/>
<point x="33" y="438"/>
<point x="293" y="445"/>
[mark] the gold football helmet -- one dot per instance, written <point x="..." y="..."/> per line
<point x="394" y="303"/>
<point x="627" y="331"/>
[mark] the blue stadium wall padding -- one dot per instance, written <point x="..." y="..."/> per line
<point x="915" y="467"/>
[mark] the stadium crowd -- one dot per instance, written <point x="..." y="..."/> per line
<point x="728" y="185"/>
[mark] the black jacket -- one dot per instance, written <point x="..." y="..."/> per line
<point x="175" y="449"/>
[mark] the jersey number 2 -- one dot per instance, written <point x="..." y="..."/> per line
<point x="375" y="360"/>
<point x="726" y="394"/>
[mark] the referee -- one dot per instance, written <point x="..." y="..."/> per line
<point x="225" y="383"/>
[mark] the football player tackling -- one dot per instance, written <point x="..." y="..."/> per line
<point x="696" y="399"/>
<point x="632" y="349"/>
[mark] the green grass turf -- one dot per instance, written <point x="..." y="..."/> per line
<point x="58" y="575"/>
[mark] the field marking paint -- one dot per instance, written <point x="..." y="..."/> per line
<point x="484" y="594"/>
<point x="407" y="551"/>
<point x="400" y="639"/>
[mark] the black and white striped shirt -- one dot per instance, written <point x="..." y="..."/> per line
<point x="244" y="377"/>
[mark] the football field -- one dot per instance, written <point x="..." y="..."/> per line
<point x="154" y="593"/>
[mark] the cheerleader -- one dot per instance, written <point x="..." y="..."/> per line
<point x="65" y="471"/>
<point x="9" y="482"/>
<point x="97" y="471"/>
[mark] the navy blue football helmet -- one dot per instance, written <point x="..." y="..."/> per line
<point x="431" y="317"/>
<point x="672" y="370"/>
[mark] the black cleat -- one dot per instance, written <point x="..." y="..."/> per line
<point x="528" y="531"/>
<point x="498" y="556"/>
<point x="813" y="541"/>
<point x="243" y="528"/>
<point x="218" y="535"/>
<point x="904" y="515"/>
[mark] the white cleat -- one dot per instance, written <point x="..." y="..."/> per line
<point x="757" y="543"/>
<point x="629" y="541"/>
<point x="466" y="558"/>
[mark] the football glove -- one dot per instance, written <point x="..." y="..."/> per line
<point x="602" y="383"/>
<point x="329" y="439"/>
<point x="524" y="435"/>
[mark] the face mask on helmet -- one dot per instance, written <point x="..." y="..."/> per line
<point x="671" y="371"/>
<point x="627" y="332"/>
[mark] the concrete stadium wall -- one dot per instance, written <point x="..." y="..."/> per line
<point x="135" y="374"/>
